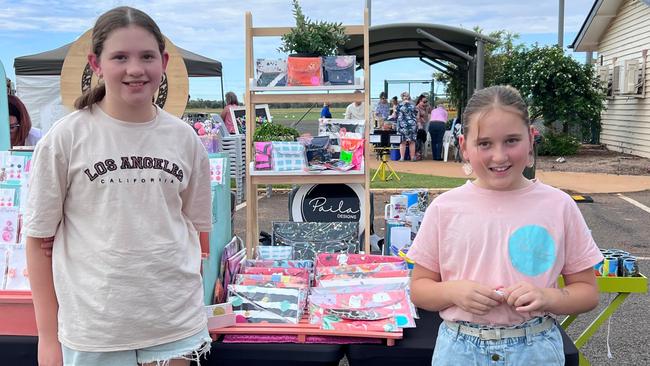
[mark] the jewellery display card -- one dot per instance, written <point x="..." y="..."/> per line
<point x="8" y="225"/>
<point x="17" y="276"/>
<point x="12" y="168"/>
<point x="7" y="197"/>
<point x="216" y="170"/>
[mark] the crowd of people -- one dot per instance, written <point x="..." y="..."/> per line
<point x="412" y="120"/>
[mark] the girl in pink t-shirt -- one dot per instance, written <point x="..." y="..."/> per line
<point x="488" y="254"/>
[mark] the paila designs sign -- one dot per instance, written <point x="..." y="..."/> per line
<point x="329" y="203"/>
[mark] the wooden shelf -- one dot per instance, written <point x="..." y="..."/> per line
<point x="302" y="330"/>
<point x="305" y="94"/>
<point x="257" y="98"/>
<point x="307" y="88"/>
<point x="305" y="177"/>
<point x="280" y="31"/>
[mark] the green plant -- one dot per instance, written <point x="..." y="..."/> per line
<point x="270" y="131"/>
<point x="558" y="144"/>
<point x="313" y="37"/>
<point x="556" y="87"/>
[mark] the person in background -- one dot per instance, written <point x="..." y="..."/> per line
<point x="488" y="261"/>
<point x="20" y="125"/>
<point x="382" y="109"/>
<point x="124" y="188"/>
<point x="226" y="116"/>
<point x="406" y="125"/>
<point x="437" y="127"/>
<point x="355" y="110"/>
<point x="423" y="110"/>
<point x="325" y="112"/>
<point x="392" y="113"/>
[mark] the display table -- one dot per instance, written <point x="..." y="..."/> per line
<point x="416" y="348"/>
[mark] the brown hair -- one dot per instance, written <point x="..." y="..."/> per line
<point x="111" y="20"/>
<point x="231" y="98"/>
<point x="18" y="110"/>
<point x="491" y="97"/>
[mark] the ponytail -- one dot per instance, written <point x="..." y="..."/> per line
<point x="90" y="97"/>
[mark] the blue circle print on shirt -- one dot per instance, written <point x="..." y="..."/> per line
<point x="532" y="250"/>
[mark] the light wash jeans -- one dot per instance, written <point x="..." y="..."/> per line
<point x="454" y="348"/>
<point x="190" y="348"/>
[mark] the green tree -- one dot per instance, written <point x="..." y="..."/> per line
<point x="557" y="88"/>
<point x="495" y="57"/>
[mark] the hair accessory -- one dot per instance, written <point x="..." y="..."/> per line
<point x="467" y="168"/>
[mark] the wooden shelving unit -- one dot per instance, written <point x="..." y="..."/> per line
<point x="260" y="95"/>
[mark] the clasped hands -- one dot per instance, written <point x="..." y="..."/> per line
<point x="479" y="299"/>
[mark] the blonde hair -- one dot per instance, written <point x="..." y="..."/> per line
<point x="483" y="100"/>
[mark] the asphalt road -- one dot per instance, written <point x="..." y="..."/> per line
<point x="615" y="223"/>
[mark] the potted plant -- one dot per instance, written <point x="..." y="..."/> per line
<point x="263" y="138"/>
<point x="306" y="43"/>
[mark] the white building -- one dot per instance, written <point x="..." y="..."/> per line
<point x="618" y="32"/>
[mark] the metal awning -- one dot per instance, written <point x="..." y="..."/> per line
<point x="402" y="40"/>
<point x="444" y="48"/>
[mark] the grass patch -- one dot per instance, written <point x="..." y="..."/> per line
<point x="408" y="180"/>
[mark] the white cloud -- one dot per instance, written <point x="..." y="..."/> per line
<point x="215" y="28"/>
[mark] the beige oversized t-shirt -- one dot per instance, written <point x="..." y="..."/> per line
<point x="125" y="202"/>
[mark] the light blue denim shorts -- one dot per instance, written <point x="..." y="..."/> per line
<point x="190" y="348"/>
<point x="455" y="348"/>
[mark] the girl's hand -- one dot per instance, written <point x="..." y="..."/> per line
<point x="49" y="353"/>
<point x="526" y="297"/>
<point x="474" y="298"/>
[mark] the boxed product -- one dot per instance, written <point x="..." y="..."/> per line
<point x="271" y="72"/>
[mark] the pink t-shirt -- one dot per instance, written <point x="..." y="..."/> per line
<point x="438" y="114"/>
<point x="497" y="238"/>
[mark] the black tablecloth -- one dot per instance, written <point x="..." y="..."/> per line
<point x="415" y="349"/>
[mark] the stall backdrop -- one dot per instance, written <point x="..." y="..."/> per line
<point x="38" y="80"/>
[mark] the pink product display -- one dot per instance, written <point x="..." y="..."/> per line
<point x="263" y="150"/>
<point x="334" y="259"/>
<point x="280" y="263"/>
<point x="297" y="272"/>
<point x="362" y="275"/>
<point x="360" y="268"/>
<point x="384" y="311"/>
<point x="276" y="280"/>
<point x="286" y="338"/>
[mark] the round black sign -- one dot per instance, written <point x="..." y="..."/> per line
<point x="331" y="202"/>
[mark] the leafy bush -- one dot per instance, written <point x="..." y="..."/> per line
<point x="313" y="38"/>
<point x="270" y="131"/>
<point x="558" y="144"/>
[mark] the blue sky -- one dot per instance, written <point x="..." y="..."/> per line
<point x="215" y="28"/>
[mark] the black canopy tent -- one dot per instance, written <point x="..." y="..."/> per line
<point x="51" y="63"/>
